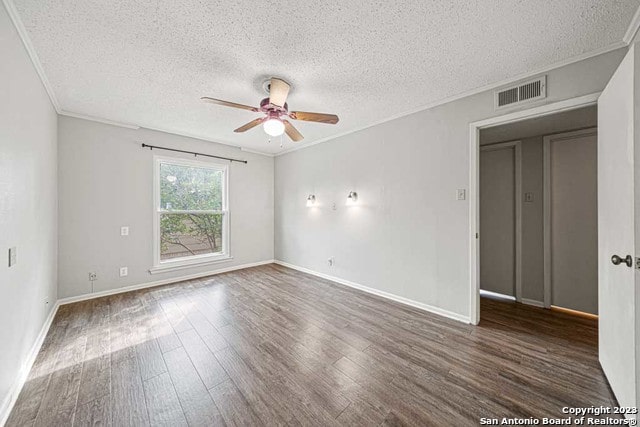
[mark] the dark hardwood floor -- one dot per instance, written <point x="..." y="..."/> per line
<point x="269" y="345"/>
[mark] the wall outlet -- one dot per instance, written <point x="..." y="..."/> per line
<point x="93" y="277"/>
<point x="331" y="261"/>
<point x="124" y="271"/>
<point x="461" y="194"/>
<point x="13" y="257"/>
<point x="124" y="231"/>
<point x="334" y="206"/>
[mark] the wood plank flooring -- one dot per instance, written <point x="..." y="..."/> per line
<point x="272" y="346"/>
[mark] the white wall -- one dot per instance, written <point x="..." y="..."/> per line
<point x="106" y="181"/>
<point x="533" y="220"/>
<point x="409" y="235"/>
<point x="28" y="213"/>
<point x="498" y="220"/>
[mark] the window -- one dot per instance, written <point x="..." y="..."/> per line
<point x="191" y="214"/>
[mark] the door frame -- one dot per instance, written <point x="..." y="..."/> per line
<point x="546" y="188"/>
<point x="474" y="179"/>
<point x="517" y="160"/>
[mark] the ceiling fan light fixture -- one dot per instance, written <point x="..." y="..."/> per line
<point x="273" y="127"/>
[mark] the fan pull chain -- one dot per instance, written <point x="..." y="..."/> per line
<point x="280" y="141"/>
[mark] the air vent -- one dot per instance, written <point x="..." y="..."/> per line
<point x="523" y="92"/>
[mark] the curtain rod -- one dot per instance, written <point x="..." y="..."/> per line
<point x="151" y="147"/>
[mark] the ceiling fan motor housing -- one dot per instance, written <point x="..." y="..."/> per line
<point x="273" y="111"/>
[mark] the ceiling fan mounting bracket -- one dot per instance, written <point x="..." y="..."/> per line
<point x="266" y="85"/>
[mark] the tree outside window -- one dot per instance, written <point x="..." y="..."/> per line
<point x="192" y="210"/>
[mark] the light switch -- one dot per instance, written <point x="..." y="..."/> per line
<point x="528" y="197"/>
<point x="13" y="257"/>
<point x="461" y="194"/>
<point x="124" y="231"/>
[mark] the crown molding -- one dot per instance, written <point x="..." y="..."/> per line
<point x="99" y="120"/>
<point x="205" y="138"/>
<point x="136" y="127"/>
<point x="466" y="94"/>
<point x="262" y="153"/>
<point x="201" y="137"/>
<point x="35" y="60"/>
<point x="26" y="42"/>
<point x="632" y="30"/>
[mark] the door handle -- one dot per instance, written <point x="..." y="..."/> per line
<point x="616" y="260"/>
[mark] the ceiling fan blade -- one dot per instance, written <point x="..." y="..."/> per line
<point x="250" y="125"/>
<point x="228" y="104"/>
<point x="278" y="91"/>
<point x="292" y="132"/>
<point x="314" y="117"/>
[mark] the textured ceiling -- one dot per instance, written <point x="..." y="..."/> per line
<point x="148" y="62"/>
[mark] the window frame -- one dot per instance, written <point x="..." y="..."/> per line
<point x="194" y="260"/>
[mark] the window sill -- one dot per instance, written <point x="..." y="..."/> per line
<point x="181" y="265"/>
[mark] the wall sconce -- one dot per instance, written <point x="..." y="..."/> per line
<point x="311" y="200"/>
<point x="352" y="198"/>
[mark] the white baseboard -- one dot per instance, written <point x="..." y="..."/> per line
<point x="93" y="295"/>
<point x="10" y="399"/>
<point x="387" y="295"/>
<point x="497" y="295"/>
<point x="532" y="302"/>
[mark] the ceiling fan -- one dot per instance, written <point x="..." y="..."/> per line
<point x="276" y="111"/>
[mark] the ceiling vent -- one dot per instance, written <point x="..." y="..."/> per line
<point x="521" y="93"/>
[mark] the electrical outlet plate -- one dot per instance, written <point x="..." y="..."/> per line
<point x="124" y="271"/>
<point x="461" y="194"/>
<point x="124" y="231"/>
<point x="93" y="277"/>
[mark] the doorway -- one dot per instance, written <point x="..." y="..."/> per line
<point x="618" y="180"/>
<point x="495" y="124"/>
<point x="538" y="212"/>
<point x="501" y="219"/>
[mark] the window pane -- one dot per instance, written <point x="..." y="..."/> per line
<point x="184" y="235"/>
<point x="190" y="188"/>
